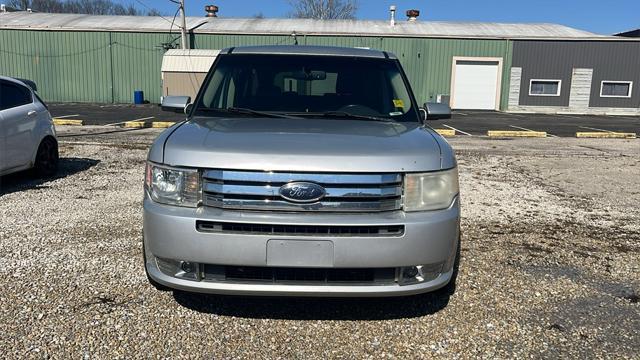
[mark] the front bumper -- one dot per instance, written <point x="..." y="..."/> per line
<point x="429" y="238"/>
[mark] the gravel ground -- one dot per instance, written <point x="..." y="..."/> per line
<point x="550" y="266"/>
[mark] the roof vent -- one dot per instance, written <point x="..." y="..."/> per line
<point x="212" y="10"/>
<point x="413" y="14"/>
<point x="392" y="10"/>
<point x="3" y="8"/>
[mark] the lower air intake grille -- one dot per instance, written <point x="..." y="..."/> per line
<point x="301" y="230"/>
<point x="299" y="275"/>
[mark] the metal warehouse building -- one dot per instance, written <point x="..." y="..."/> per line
<point x="509" y="67"/>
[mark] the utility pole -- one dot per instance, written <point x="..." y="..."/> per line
<point x="183" y="28"/>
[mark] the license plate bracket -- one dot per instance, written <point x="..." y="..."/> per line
<point x="299" y="253"/>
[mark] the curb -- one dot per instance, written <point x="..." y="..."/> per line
<point x="605" y="135"/>
<point x="71" y="122"/>
<point x="446" y="132"/>
<point x="509" y="133"/>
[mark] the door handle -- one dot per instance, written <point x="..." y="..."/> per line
<point x="31" y="112"/>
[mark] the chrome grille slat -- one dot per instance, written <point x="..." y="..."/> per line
<point x="283" y="177"/>
<point x="253" y="190"/>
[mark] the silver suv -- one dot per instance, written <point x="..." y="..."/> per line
<point x="302" y="171"/>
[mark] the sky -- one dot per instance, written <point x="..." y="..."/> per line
<point x="598" y="16"/>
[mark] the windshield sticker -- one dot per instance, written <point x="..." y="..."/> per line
<point x="398" y="103"/>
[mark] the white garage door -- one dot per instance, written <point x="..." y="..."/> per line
<point x="476" y="84"/>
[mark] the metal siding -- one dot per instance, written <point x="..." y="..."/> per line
<point x="76" y="66"/>
<point x="556" y="60"/>
<point x="137" y="59"/>
<point x="66" y="66"/>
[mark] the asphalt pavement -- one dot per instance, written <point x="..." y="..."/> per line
<point x="479" y="122"/>
<point x="112" y="114"/>
<point x="466" y="123"/>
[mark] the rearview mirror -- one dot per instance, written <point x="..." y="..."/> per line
<point x="175" y="103"/>
<point x="437" y="111"/>
<point x="309" y="75"/>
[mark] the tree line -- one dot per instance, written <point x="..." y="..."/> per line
<point x="303" y="9"/>
<point x="93" y="7"/>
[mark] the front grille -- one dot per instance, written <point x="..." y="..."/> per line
<point x="299" y="230"/>
<point x="365" y="276"/>
<point x="255" y="190"/>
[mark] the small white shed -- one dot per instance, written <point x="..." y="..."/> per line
<point x="184" y="70"/>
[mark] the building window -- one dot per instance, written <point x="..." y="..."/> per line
<point x="616" y="89"/>
<point x="538" y="87"/>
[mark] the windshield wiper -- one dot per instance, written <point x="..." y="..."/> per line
<point x="344" y="114"/>
<point x="258" y="113"/>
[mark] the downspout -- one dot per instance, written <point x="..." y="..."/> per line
<point x="111" y="69"/>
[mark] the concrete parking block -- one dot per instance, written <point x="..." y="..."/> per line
<point x="136" y="124"/>
<point x="606" y="135"/>
<point x="72" y="122"/>
<point x="446" y="132"/>
<point x="162" y="124"/>
<point x="513" y="133"/>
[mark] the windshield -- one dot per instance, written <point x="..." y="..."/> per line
<point x="301" y="86"/>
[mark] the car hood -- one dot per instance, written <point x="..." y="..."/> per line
<point x="318" y="145"/>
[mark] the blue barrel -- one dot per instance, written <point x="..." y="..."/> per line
<point x="138" y="97"/>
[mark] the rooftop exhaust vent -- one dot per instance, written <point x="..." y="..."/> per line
<point x="212" y="10"/>
<point x="392" y="10"/>
<point x="412" y="15"/>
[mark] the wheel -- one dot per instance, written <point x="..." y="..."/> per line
<point x="153" y="283"/>
<point x="47" y="157"/>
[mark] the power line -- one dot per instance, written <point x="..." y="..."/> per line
<point x="152" y="9"/>
<point x="172" y="22"/>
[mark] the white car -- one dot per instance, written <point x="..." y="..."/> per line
<point x="27" y="135"/>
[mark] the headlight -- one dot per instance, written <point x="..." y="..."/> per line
<point x="430" y="191"/>
<point x="173" y="186"/>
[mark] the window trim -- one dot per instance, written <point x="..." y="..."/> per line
<point x="547" y="80"/>
<point x="616" y="82"/>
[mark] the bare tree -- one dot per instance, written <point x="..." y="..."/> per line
<point x="93" y="7"/>
<point x="19" y="4"/>
<point x="324" y="9"/>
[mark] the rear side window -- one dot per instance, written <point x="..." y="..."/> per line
<point x="13" y="95"/>
<point x="41" y="101"/>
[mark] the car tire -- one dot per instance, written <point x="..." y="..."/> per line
<point x="153" y="283"/>
<point x="47" y="158"/>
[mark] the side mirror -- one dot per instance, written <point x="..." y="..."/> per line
<point x="423" y="114"/>
<point x="187" y="109"/>
<point x="175" y="103"/>
<point x="437" y="111"/>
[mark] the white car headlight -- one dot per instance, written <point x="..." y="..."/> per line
<point x="430" y="191"/>
<point x="173" y="186"/>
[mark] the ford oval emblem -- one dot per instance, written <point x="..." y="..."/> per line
<point x="302" y="192"/>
